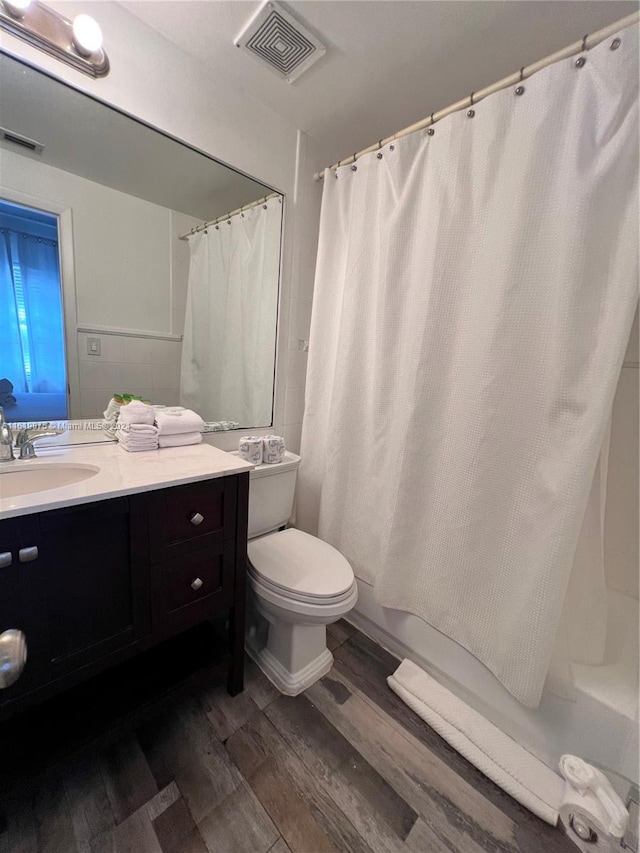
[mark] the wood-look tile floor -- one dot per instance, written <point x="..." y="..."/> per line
<point x="344" y="767"/>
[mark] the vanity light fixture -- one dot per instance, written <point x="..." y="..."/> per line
<point x="87" y="35"/>
<point x="78" y="43"/>
<point x="17" y="8"/>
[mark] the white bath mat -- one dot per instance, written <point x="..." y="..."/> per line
<point x="498" y="756"/>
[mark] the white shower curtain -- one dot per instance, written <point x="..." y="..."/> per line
<point x="228" y="350"/>
<point x="474" y="295"/>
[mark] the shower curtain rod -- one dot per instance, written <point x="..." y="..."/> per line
<point x="229" y="215"/>
<point x="584" y="44"/>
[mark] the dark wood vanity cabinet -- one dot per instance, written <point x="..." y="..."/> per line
<point x="94" y="585"/>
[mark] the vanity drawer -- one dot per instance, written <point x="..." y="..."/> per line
<point x="186" y="518"/>
<point x="191" y="589"/>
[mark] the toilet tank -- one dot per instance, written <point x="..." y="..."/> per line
<point x="271" y="490"/>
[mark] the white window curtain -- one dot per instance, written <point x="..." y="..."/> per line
<point x="474" y="295"/>
<point x="32" y="356"/>
<point x="11" y="363"/>
<point x="228" y="351"/>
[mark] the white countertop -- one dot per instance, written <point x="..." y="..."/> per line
<point x="120" y="473"/>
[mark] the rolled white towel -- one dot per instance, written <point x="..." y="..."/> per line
<point x="174" y="420"/>
<point x="136" y="412"/>
<point x="272" y="449"/>
<point x="250" y="449"/>
<point x="112" y="410"/>
<point x="179" y="439"/>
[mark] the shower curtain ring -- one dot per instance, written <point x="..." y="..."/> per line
<point x="471" y="97"/>
<point x="522" y="74"/>
<point x="584" y="43"/>
<point x="379" y="154"/>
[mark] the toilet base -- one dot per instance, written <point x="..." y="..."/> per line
<point x="291" y="684"/>
<point x="291" y="680"/>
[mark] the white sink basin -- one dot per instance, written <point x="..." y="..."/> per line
<point x="26" y="478"/>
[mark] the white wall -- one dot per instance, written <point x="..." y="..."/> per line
<point x="131" y="273"/>
<point x="122" y="246"/>
<point x="154" y="80"/>
<point x="622" y="510"/>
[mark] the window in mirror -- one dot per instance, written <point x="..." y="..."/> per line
<point x="33" y="376"/>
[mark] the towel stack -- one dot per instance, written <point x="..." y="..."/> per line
<point x="178" y="427"/>
<point x="137" y="430"/>
<point x="112" y="412"/>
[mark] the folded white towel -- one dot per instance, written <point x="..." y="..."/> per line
<point x="174" y="420"/>
<point x="139" y="442"/>
<point x="135" y="448"/>
<point x="143" y="445"/>
<point x="136" y="412"/>
<point x="179" y="439"/>
<point x="139" y="429"/>
<point x="138" y="437"/>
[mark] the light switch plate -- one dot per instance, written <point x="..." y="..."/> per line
<point x="93" y="346"/>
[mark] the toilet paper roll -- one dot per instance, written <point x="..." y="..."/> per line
<point x="250" y="449"/>
<point x="273" y="449"/>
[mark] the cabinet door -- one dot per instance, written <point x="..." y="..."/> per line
<point x="96" y="580"/>
<point x="21" y="599"/>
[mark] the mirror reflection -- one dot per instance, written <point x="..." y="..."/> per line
<point x="110" y="284"/>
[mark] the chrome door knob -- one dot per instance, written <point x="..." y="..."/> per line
<point x="13" y="657"/>
<point x="196" y="518"/>
<point x="196" y="584"/>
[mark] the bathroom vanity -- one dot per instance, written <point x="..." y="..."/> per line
<point x="138" y="567"/>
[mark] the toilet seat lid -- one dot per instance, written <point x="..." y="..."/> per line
<point x="296" y="561"/>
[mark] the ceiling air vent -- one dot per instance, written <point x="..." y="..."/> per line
<point x="22" y="141"/>
<point x="277" y="38"/>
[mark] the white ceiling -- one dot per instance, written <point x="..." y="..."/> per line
<point x="389" y="62"/>
<point x="85" y="137"/>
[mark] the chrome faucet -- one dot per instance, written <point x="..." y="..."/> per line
<point x="6" y="439"/>
<point x="27" y="437"/>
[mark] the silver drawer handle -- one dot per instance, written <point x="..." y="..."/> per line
<point x="196" y="584"/>
<point x="27" y="555"/>
<point x="13" y="657"/>
<point x="6" y="558"/>
<point x="196" y="518"/>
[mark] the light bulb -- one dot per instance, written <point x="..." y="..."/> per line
<point x="17" y="8"/>
<point x="87" y="35"/>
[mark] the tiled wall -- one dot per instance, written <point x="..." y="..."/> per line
<point x="150" y="368"/>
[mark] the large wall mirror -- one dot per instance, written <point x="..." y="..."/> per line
<point x="106" y="286"/>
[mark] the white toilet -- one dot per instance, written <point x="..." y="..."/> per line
<point x="298" y="585"/>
